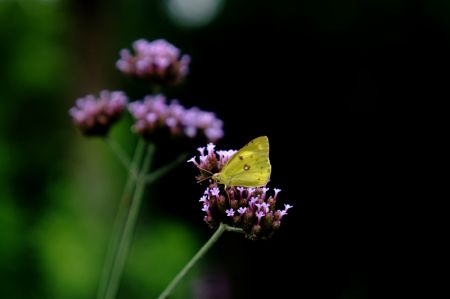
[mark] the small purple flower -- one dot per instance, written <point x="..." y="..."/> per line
<point x="264" y="191"/>
<point x="193" y="161"/>
<point x="276" y="192"/>
<point x="253" y="201"/>
<point x="287" y="206"/>
<point x="205" y="207"/>
<point x="225" y="155"/>
<point x="265" y="207"/>
<point x="215" y="191"/>
<point x="201" y="150"/>
<point x="94" y="116"/>
<point x="210" y="148"/>
<point x="240" y="189"/>
<point x="153" y="112"/>
<point x="281" y="213"/>
<point x="158" y="61"/>
<point x="242" y="210"/>
<point x="230" y="212"/>
<point x="259" y="214"/>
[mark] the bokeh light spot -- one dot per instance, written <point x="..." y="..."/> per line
<point x="193" y="13"/>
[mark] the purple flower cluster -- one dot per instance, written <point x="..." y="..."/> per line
<point x="158" y="61"/>
<point x="154" y="112"/>
<point x="252" y="209"/>
<point x="94" y="116"/>
<point x="162" y="63"/>
<point x="210" y="161"/>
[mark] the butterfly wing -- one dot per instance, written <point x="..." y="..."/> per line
<point x="250" y="166"/>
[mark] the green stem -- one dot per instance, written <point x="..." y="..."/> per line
<point x="119" y="151"/>
<point x="234" y="229"/>
<point x="163" y="170"/>
<point x="122" y="156"/>
<point x="130" y="224"/>
<point x="119" y="220"/>
<point x="222" y="228"/>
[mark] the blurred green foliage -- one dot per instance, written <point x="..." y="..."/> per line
<point x="58" y="191"/>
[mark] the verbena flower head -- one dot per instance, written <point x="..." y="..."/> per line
<point x="158" y="61"/>
<point x="252" y="209"/>
<point x="153" y="113"/>
<point x="94" y="116"/>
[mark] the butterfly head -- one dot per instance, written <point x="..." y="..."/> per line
<point x="217" y="177"/>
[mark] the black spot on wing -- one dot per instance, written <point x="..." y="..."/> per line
<point x="246" y="167"/>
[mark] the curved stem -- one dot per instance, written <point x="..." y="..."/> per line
<point x="119" y="151"/>
<point x="193" y="261"/>
<point x="119" y="221"/>
<point x="130" y="224"/>
<point x="234" y="229"/>
<point x="163" y="170"/>
<point x="122" y="156"/>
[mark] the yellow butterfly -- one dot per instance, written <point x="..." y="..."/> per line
<point x="249" y="167"/>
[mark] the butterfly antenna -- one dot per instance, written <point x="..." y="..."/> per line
<point x="205" y="170"/>
<point x="204" y="179"/>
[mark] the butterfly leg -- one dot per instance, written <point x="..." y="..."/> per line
<point x="225" y="187"/>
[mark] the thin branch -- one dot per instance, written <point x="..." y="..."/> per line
<point x="163" y="170"/>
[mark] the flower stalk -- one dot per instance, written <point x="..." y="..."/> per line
<point x="176" y="280"/>
<point x="163" y="170"/>
<point x="121" y="213"/>
<point x="128" y="211"/>
<point x="130" y="224"/>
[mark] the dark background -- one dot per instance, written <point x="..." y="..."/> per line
<point x="309" y="74"/>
